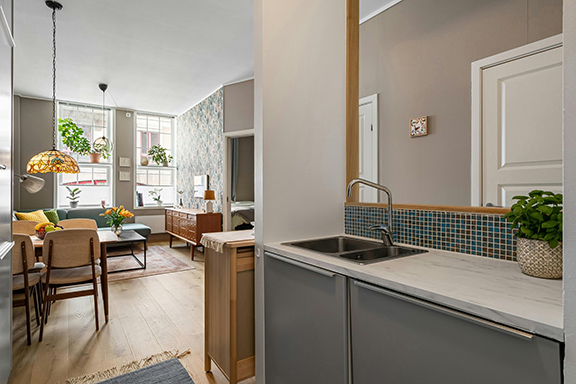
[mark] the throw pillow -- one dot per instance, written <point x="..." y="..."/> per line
<point x="38" y="216"/>
<point x="52" y="216"/>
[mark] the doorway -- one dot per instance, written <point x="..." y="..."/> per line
<point x="238" y="207"/>
<point x="368" y="141"/>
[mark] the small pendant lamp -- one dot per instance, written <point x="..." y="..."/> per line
<point x="53" y="160"/>
<point x="103" y="144"/>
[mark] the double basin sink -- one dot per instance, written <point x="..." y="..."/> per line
<point x="353" y="249"/>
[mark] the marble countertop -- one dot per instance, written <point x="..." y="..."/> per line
<point x="489" y="288"/>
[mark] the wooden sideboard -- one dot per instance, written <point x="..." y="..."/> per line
<point x="190" y="224"/>
<point x="229" y="310"/>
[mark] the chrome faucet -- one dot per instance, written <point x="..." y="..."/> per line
<point x="387" y="231"/>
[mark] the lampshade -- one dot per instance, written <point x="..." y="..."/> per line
<point x="32" y="184"/>
<point x="209" y="195"/>
<point x="52" y="161"/>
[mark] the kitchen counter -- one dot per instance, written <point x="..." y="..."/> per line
<point x="488" y="288"/>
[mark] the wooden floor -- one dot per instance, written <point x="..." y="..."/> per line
<point x="148" y="315"/>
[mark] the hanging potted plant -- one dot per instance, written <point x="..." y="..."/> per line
<point x="159" y="156"/>
<point x="538" y="217"/>
<point x="74" y="196"/>
<point x="74" y="139"/>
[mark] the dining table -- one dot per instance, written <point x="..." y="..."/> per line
<point x="105" y="238"/>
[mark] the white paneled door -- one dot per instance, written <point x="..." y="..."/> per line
<point x="368" y="131"/>
<point x="522" y="127"/>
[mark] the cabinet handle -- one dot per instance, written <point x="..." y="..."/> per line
<point x="301" y="265"/>
<point x="5" y="248"/>
<point x="450" y="312"/>
<point x="6" y="27"/>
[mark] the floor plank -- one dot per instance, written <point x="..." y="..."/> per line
<point x="147" y="315"/>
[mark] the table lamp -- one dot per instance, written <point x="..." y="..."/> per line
<point x="209" y="196"/>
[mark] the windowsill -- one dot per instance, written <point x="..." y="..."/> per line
<point x="152" y="207"/>
<point x="138" y="166"/>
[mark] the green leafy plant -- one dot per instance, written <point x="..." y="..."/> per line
<point x="158" y="154"/>
<point x="155" y="193"/>
<point x="538" y="216"/>
<point x="73" y="137"/>
<point x="74" y="194"/>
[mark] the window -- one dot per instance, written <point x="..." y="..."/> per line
<point x="152" y="130"/>
<point x="94" y="180"/>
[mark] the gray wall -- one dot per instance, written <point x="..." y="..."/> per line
<point x="570" y="190"/>
<point x="417" y="57"/>
<point x="33" y="125"/>
<point x="239" y="106"/>
<point x="245" y="185"/>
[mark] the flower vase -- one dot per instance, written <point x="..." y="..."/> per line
<point x="117" y="229"/>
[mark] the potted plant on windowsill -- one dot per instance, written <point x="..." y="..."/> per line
<point x="74" y="139"/>
<point x="159" y="156"/>
<point x="155" y="194"/>
<point x="538" y="217"/>
<point x="74" y="196"/>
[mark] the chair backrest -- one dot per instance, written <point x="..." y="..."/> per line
<point x="24" y="227"/>
<point x="70" y="248"/>
<point x="18" y="252"/>
<point x="78" y="224"/>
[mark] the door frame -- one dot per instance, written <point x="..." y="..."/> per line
<point x="375" y="143"/>
<point x="477" y="68"/>
<point x="228" y="175"/>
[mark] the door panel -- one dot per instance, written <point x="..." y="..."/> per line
<point x="522" y="126"/>
<point x="368" y="141"/>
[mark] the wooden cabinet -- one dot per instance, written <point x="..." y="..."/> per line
<point x="229" y="310"/>
<point x="190" y="224"/>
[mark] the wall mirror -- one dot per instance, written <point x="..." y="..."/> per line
<point x="414" y="58"/>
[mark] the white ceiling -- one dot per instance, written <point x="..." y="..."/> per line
<point x="157" y="56"/>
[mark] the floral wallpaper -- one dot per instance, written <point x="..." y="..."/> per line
<point x="200" y="149"/>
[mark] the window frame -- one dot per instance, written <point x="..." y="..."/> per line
<point x="109" y="165"/>
<point x="173" y="167"/>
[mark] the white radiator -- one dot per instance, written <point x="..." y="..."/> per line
<point x="155" y="222"/>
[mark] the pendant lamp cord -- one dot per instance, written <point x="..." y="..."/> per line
<point x="53" y="78"/>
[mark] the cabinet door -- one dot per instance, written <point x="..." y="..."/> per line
<point x="306" y="322"/>
<point x="399" y="339"/>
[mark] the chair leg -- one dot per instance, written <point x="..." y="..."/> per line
<point x="35" y="291"/>
<point x="27" y="304"/>
<point x="44" y="310"/>
<point x="95" y="285"/>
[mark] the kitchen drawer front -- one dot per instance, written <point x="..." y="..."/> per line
<point x="400" y="339"/>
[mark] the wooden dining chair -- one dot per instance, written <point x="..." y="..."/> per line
<point x="24" y="279"/>
<point x="78" y="223"/>
<point x="71" y="257"/>
<point x="24" y="227"/>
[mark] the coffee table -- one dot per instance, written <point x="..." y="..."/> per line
<point x="131" y="237"/>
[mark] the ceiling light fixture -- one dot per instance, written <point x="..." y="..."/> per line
<point x="103" y="144"/>
<point x="53" y="160"/>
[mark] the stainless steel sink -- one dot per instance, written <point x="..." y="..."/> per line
<point x="357" y="250"/>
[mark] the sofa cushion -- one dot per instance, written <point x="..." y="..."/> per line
<point x="88" y="213"/>
<point x="141" y="229"/>
<point x="52" y="216"/>
<point x="38" y="216"/>
<point x="62" y="213"/>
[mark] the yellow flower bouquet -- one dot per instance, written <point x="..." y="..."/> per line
<point x="115" y="217"/>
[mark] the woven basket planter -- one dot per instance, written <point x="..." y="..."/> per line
<point x="536" y="258"/>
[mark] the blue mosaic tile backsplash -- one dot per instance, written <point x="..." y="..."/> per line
<point x="487" y="235"/>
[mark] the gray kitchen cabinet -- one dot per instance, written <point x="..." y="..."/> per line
<point x="400" y="339"/>
<point x="306" y="323"/>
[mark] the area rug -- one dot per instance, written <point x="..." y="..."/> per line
<point x="158" y="261"/>
<point x="157" y="372"/>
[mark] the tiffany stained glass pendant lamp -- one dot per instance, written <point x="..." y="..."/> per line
<point x="53" y="160"/>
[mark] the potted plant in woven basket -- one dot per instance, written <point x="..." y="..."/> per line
<point x="538" y="217"/>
